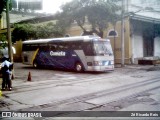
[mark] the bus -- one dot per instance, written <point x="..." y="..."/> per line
<point x="80" y="53"/>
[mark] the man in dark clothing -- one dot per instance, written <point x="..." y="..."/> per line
<point x="6" y="73"/>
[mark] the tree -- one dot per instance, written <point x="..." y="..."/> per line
<point x="3" y="38"/>
<point x="30" y="31"/>
<point x="3" y="6"/>
<point x="49" y="30"/>
<point x="3" y="42"/>
<point x="23" y="32"/>
<point x="98" y="13"/>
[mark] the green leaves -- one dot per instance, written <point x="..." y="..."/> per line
<point x="29" y="31"/>
<point x="48" y="30"/>
<point x="98" y="13"/>
<point x="3" y="41"/>
<point x="22" y="32"/>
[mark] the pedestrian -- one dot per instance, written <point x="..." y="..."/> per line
<point x="6" y="72"/>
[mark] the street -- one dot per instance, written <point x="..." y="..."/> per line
<point x="132" y="88"/>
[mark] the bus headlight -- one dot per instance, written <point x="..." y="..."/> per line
<point x="105" y="63"/>
<point x="112" y="62"/>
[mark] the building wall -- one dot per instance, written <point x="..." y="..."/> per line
<point x="157" y="46"/>
<point x="18" y="56"/>
<point x="74" y="31"/>
<point x="144" y="2"/>
<point x="0" y="24"/>
<point x="116" y="42"/>
<point x="13" y="19"/>
<point x="145" y="44"/>
<point x="137" y="47"/>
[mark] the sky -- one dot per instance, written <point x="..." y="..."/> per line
<point x="52" y="6"/>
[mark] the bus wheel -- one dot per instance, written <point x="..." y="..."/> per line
<point x="79" y="67"/>
<point x="35" y="65"/>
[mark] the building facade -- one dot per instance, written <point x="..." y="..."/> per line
<point x="141" y="32"/>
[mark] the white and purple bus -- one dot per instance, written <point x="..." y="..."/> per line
<point x="81" y="53"/>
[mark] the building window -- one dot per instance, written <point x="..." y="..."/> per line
<point x="112" y="33"/>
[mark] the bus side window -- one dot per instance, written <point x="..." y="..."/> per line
<point x="77" y="46"/>
<point x="33" y="47"/>
<point x="52" y="47"/>
<point x="66" y="46"/>
<point x="95" y="48"/>
<point x="80" y="47"/>
<point x="88" y="49"/>
<point x="73" y="46"/>
<point x="58" y="47"/>
<point x="43" y="48"/>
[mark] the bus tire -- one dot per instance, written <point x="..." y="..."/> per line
<point x="79" y="67"/>
<point x="35" y="65"/>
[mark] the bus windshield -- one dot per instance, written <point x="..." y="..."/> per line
<point x="103" y="48"/>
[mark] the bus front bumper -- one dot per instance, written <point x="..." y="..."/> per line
<point x="101" y="68"/>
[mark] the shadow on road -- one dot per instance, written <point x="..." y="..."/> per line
<point x="62" y="70"/>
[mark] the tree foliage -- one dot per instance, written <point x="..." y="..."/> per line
<point x="98" y="13"/>
<point x="30" y="31"/>
<point x="22" y="32"/>
<point x="3" y="4"/>
<point x="49" y="30"/>
<point x="3" y="41"/>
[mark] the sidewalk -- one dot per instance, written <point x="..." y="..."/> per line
<point x="142" y="67"/>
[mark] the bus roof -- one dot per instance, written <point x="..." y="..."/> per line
<point x="76" y="38"/>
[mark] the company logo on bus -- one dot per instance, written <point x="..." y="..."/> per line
<point x="57" y="53"/>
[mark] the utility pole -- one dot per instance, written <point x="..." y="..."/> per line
<point x="10" y="53"/>
<point x="122" y="35"/>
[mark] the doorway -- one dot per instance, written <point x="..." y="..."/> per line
<point x="148" y="43"/>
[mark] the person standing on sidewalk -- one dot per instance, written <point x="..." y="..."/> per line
<point x="6" y="73"/>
